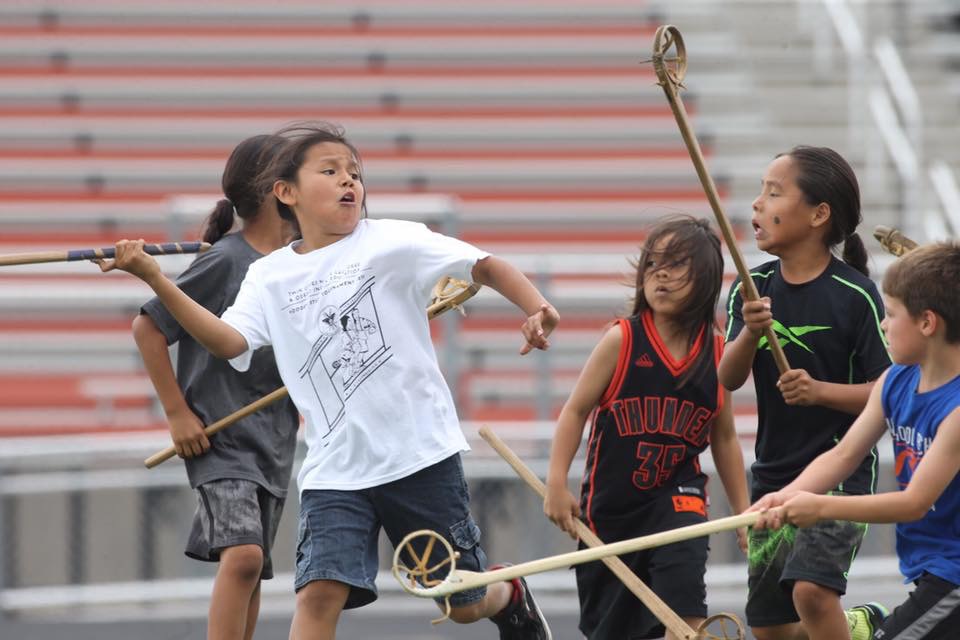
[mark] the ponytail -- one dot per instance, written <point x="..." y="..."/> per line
<point x="855" y="254"/>
<point x="219" y="222"/>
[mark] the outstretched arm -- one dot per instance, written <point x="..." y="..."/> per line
<point x="542" y="318"/>
<point x="561" y="506"/>
<point x="218" y="337"/>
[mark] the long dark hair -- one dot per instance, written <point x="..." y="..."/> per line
<point x="241" y="185"/>
<point x="298" y="138"/>
<point x="824" y="176"/>
<point x="691" y="239"/>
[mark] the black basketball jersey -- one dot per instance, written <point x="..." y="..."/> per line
<point x="647" y="434"/>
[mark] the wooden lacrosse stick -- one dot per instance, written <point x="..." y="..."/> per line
<point x="671" y="79"/>
<point x="221" y="424"/>
<point x="454" y="294"/>
<point x="450" y="293"/>
<point x="893" y="241"/>
<point x="73" y="255"/>
<point x="673" y="622"/>
<point x="416" y="580"/>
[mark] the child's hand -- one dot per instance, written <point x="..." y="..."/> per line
<point x="537" y="327"/>
<point x="767" y="507"/>
<point x="743" y="539"/>
<point x="186" y="430"/>
<point x="563" y="509"/>
<point x="757" y="315"/>
<point x="798" y="388"/>
<point x="132" y="259"/>
<point x="802" y="510"/>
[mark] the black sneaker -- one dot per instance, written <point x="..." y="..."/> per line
<point x="521" y="619"/>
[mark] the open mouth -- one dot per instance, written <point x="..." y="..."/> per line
<point x="349" y="198"/>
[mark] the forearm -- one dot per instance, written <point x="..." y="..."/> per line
<point x="823" y="474"/>
<point x="156" y="360"/>
<point x="728" y="458"/>
<point x="566" y="442"/>
<point x="510" y="282"/>
<point x="849" y="398"/>
<point x="895" y="506"/>
<point x="737" y="360"/>
<point x="218" y="337"/>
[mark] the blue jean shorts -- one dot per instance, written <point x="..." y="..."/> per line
<point x="338" y="530"/>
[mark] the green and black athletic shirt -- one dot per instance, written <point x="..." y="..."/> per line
<point x="829" y="326"/>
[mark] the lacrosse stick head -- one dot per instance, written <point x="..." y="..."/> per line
<point x="424" y="559"/>
<point x="893" y="241"/>
<point x="670" y="71"/>
<point x="450" y="293"/>
<point x="721" y="626"/>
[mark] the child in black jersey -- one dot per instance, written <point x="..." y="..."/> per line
<point x="652" y="381"/>
<point x="826" y="314"/>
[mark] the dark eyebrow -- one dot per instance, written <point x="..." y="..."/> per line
<point x="772" y="183"/>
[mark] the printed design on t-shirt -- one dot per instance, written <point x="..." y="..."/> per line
<point x="791" y="335"/>
<point x="669" y="416"/>
<point x="910" y="445"/>
<point x="351" y="347"/>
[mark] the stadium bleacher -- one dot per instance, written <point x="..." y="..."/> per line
<point x="538" y="117"/>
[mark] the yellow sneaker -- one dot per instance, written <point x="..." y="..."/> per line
<point x="864" y="619"/>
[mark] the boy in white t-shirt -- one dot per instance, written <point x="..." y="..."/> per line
<point x="343" y="311"/>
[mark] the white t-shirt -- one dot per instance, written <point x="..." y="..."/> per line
<point x="349" y="330"/>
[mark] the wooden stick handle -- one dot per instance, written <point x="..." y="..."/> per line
<point x="674" y="623"/>
<point x="664" y="37"/>
<point x="221" y="424"/>
<point x="463" y="580"/>
<point x="73" y="255"/>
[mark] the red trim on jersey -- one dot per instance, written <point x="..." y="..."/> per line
<point x="623" y="365"/>
<point x="593" y="447"/>
<point x="718" y="343"/>
<point x="675" y="367"/>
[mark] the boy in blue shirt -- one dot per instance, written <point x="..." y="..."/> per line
<point x="918" y="401"/>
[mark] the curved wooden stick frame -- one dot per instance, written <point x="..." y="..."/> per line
<point x="671" y="79"/>
<point x="893" y="241"/>
<point x="457" y="580"/>
<point x="450" y="296"/>
<point x="673" y="622"/>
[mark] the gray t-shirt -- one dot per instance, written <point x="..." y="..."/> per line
<point x="260" y="447"/>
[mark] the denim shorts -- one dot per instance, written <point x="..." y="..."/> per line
<point x="338" y="530"/>
<point x="232" y="512"/>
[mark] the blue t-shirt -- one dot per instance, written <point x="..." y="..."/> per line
<point x="932" y="543"/>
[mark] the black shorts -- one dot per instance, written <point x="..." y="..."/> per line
<point x="231" y="513"/>
<point x="931" y="612"/>
<point x="821" y="554"/>
<point x="675" y="572"/>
